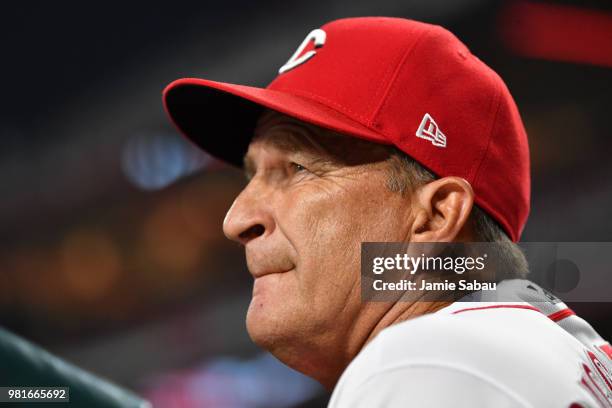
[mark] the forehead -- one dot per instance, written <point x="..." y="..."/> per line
<point x="292" y="135"/>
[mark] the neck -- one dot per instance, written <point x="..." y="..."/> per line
<point x="402" y="311"/>
<point x="374" y="318"/>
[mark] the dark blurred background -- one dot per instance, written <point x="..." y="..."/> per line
<point x="112" y="252"/>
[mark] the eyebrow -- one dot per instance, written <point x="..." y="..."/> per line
<point x="296" y="140"/>
<point x="249" y="166"/>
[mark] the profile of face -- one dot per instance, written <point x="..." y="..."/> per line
<point x="312" y="197"/>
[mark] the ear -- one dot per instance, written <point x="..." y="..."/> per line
<point x="442" y="209"/>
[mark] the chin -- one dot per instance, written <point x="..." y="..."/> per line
<point x="264" y="325"/>
<point x="278" y="327"/>
<point x="272" y="311"/>
<point x="289" y="341"/>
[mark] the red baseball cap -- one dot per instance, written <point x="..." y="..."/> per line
<point x="387" y="80"/>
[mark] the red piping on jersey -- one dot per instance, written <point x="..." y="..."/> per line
<point x="555" y="317"/>
<point x="498" y="307"/>
<point x="561" y="314"/>
<point x="606" y="348"/>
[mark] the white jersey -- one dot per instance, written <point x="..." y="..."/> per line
<point x="532" y="352"/>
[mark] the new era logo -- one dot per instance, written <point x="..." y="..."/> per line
<point x="428" y="130"/>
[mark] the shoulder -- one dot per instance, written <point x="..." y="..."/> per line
<point x="499" y="349"/>
<point x="470" y="338"/>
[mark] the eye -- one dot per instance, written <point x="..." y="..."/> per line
<point x="297" y="167"/>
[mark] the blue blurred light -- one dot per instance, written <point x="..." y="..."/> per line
<point x="259" y="382"/>
<point x="152" y="161"/>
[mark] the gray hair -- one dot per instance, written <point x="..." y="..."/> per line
<point x="406" y="175"/>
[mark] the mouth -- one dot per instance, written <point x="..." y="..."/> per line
<point x="263" y="282"/>
<point x="267" y="261"/>
<point x="259" y="274"/>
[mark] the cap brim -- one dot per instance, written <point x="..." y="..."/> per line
<point x="221" y="118"/>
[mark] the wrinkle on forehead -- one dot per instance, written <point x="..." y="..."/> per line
<point x="293" y="135"/>
<point x="289" y="134"/>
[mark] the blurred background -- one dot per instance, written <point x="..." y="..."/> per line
<point x="112" y="254"/>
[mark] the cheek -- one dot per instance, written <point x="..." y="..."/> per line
<point x="318" y="222"/>
<point x="345" y="217"/>
<point x="326" y="228"/>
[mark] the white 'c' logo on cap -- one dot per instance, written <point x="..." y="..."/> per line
<point x="318" y="36"/>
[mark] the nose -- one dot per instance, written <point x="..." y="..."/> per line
<point x="250" y="215"/>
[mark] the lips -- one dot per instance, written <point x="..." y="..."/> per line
<point x="258" y="272"/>
<point x="267" y="263"/>
<point x="265" y="273"/>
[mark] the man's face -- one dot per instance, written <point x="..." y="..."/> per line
<point x="312" y="198"/>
